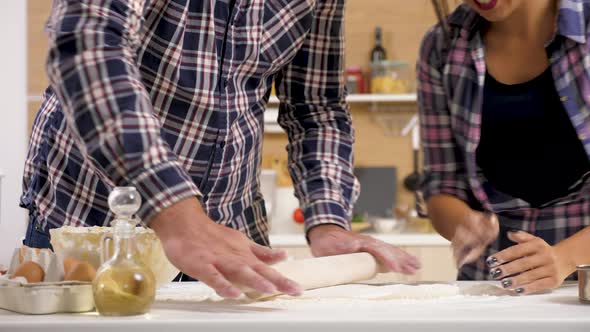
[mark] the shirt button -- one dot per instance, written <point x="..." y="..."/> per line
<point x="582" y="137"/>
<point x="564" y="98"/>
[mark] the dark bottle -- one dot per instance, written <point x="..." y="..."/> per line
<point x="378" y="53"/>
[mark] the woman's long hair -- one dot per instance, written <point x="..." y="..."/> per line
<point x="442" y="11"/>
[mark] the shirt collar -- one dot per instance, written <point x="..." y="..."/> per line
<point x="571" y="21"/>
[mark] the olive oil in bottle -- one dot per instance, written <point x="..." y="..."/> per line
<point x="123" y="285"/>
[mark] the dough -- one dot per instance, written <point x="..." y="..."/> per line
<point x="350" y="294"/>
<point x="384" y="292"/>
<point x="486" y="290"/>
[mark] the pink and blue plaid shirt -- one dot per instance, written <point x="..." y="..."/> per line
<point x="451" y="76"/>
<point x="169" y="96"/>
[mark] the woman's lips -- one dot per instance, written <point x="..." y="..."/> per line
<point x="486" y="4"/>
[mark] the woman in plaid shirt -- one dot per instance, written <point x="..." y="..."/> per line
<point x="504" y="94"/>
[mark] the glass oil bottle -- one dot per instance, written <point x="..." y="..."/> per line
<point x="123" y="286"/>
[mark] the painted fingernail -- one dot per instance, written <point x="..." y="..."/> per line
<point x="519" y="290"/>
<point x="506" y="283"/>
<point x="495" y="273"/>
<point x="492" y="261"/>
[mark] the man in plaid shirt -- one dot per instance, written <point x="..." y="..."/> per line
<point x="168" y="97"/>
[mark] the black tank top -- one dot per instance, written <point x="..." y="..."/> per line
<point x="529" y="148"/>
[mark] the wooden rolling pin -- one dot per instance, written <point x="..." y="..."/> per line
<point x="327" y="271"/>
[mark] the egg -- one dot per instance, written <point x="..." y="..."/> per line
<point x="82" y="271"/>
<point x="69" y="263"/>
<point x="31" y="271"/>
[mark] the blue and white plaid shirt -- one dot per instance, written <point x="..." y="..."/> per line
<point x="169" y="96"/>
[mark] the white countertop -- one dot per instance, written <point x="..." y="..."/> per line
<point x="402" y="239"/>
<point x="559" y="310"/>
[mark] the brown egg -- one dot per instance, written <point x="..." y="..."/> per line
<point x="82" y="271"/>
<point x="69" y="263"/>
<point x="31" y="271"/>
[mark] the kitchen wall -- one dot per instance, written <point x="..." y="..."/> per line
<point x="378" y="142"/>
<point x="377" y="125"/>
<point x="13" y="126"/>
<point x="37" y="14"/>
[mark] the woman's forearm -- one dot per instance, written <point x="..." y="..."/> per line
<point x="446" y="212"/>
<point x="576" y="249"/>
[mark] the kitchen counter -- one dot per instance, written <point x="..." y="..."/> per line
<point x="401" y="239"/>
<point x="555" y="311"/>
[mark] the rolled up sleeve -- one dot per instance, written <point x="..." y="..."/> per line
<point x="315" y="115"/>
<point x="92" y="69"/>
<point x="444" y="160"/>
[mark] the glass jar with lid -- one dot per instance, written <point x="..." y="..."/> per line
<point x="390" y="77"/>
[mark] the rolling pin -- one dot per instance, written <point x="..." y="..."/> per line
<point x="326" y="271"/>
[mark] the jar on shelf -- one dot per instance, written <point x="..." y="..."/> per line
<point x="390" y="77"/>
<point x="355" y="82"/>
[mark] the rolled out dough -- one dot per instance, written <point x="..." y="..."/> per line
<point x="384" y="292"/>
<point x="350" y="293"/>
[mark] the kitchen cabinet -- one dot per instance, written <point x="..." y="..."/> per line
<point x="433" y="251"/>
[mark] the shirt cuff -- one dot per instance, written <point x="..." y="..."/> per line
<point x="162" y="186"/>
<point x="325" y="213"/>
<point x="455" y="188"/>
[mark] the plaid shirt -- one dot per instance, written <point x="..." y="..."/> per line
<point x="451" y="77"/>
<point x="168" y="97"/>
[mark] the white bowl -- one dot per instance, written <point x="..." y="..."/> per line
<point x="83" y="243"/>
<point x="387" y="225"/>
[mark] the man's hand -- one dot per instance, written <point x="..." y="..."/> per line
<point x="473" y="235"/>
<point x="221" y="257"/>
<point x="328" y="240"/>
<point x="531" y="265"/>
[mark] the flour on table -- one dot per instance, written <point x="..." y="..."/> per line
<point x="384" y="292"/>
<point x="486" y="290"/>
<point x="345" y="294"/>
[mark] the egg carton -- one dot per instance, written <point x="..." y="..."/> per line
<point x="42" y="299"/>
<point x="51" y="264"/>
<point x="50" y="296"/>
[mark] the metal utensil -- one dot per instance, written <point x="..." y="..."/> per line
<point x="413" y="181"/>
<point x="584" y="283"/>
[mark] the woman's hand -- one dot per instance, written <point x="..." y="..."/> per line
<point x="473" y="235"/>
<point x="530" y="266"/>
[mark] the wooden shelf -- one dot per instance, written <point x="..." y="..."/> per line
<point x="271" y="113"/>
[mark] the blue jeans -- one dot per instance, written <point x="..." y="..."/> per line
<point x="36" y="237"/>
